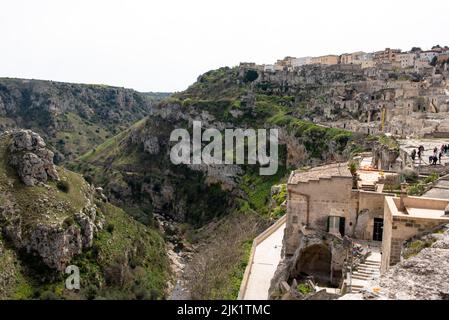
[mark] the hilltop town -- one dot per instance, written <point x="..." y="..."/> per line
<point x="416" y="59"/>
<point x="375" y="227"/>
<point x="405" y="94"/>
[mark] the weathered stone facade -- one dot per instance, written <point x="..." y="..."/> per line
<point x="373" y="100"/>
<point x="313" y="241"/>
<point x="418" y="216"/>
<point x="325" y="192"/>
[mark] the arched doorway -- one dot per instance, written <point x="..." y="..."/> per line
<point x="315" y="261"/>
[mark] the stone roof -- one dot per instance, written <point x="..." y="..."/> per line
<point x="326" y="171"/>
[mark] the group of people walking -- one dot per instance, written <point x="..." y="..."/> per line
<point x="433" y="159"/>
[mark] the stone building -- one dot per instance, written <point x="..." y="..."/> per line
<point x="443" y="58"/>
<point x="324" y="199"/>
<point x="269" y="68"/>
<point x="299" y="62"/>
<point x="408" y="217"/>
<point x="323" y="208"/>
<point x="354" y="58"/>
<point x="407" y="59"/>
<point x="326" y="205"/>
<point x="387" y="56"/>
<point x="428" y="55"/>
<point x="326" y="60"/>
<point x="422" y="63"/>
<point x="285" y="64"/>
<point x="369" y="63"/>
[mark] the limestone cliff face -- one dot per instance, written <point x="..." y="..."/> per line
<point x="422" y="276"/>
<point x="72" y="118"/>
<point x="135" y="168"/>
<point x="400" y="102"/>
<point x="55" y="243"/>
<point x="29" y="155"/>
<point x="150" y="179"/>
<point x="36" y="217"/>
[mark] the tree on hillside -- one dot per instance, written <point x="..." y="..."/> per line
<point x="434" y="61"/>
<point x="250" y="76"/>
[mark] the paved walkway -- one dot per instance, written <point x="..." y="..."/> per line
<point x="440" y="189"/>
<point x="266" y="259"/>
<point x="366" y="162"/>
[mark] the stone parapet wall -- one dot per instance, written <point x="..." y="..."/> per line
<point x="264" y="235"/>
<point x="400" y="227"/>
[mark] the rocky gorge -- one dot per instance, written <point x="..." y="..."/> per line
<point x="200" y="219"/>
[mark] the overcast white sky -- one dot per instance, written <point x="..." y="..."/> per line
<point x="164" y="45"/>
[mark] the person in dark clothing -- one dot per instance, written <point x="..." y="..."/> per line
<point x="420" y="151"/>
<point x="439" y="156"/>
<point x="430" y="159"/>
<point x="413" y="155"/>
<point x="435" y="159"/>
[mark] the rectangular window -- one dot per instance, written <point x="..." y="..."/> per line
<point x="336" y="225"/>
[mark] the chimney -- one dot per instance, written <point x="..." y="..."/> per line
<point x="403" y="195"/>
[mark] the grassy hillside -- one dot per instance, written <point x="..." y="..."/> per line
<point x="127" y="259"/>
<point x="72" y="118"/>
<point x="148" y="182"/>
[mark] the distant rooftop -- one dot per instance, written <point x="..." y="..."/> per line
<point x="419" y="207"/>
<point x="326" y="171"/>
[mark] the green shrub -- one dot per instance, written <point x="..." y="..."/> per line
<point x="414" y="247"/>
<point x="68" y="222"/>
<point x="281" y="196"/>
<point x="88" y="179"/>
<point x="48" y="295"/>
<point x="409" y="175"/>
<point x="250" y="76"/>
<point x="389" y="142"/>
<point x="91" y="292"/>
<point x="416" y="189"/>
<point x="278" y="212"/>
<point x="303" y="288"/>
<point x="432" y="178"/>
<point x="63" y="186"/>
<point x="110" y="228"/>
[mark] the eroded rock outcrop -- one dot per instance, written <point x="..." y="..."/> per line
<point x="423" y="276"/>
<point x="55" y="241"/>
<point x="38" y="219"/>
<point x="385" y="157"/>
<point x="30" y="157"/>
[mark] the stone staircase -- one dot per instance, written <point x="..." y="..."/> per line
<point x="365" y="272"/>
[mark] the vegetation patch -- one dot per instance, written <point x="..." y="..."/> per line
<point x="304" y="288"/>
<point x="414" y="247"/>
<point x="421" y="186"/>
